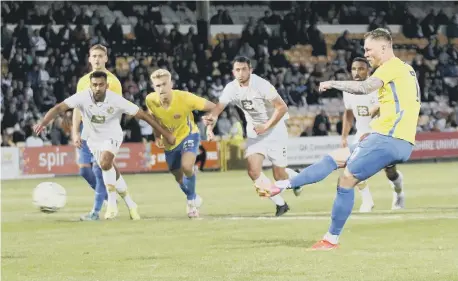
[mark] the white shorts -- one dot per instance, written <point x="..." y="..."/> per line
<point x="98" y="147"/>
<point x="275" y="151"/>
<point x="357" y="136"/>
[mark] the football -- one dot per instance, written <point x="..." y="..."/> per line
<point x="49" y="197"/>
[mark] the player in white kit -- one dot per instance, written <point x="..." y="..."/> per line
<point x="363" y="108"/>
<point x="265" y="113"/>
<point x="102" y="110"/>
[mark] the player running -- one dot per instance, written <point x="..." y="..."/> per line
<point x="393" y="135"/>
<point x="101" y="110"/>
<point x="265" y="112"/>
<point x="173" y="109"/>
<point x="361" y="108"/>
<point x="90" y="171"/>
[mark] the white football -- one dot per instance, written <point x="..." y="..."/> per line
<point x="49" y="197"/>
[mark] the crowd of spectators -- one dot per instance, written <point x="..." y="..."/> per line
<point x="41" y="67"/>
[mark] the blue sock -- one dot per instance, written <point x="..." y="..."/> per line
<point x="88" y="175"/>
<point x="184" y="188"/>
<point x="314" y="173"/>
<point x="190" y="183"/>
<point x="100" y="190"/>
<point x="341" y="210"/>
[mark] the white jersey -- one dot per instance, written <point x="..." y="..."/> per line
<point x="101" y="120"/>
<point x="361" y="105"/>
<point x="255" y="102"/>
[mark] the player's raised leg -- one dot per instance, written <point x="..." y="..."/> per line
<point x="313" y="173"/>
<point x="256" y="174"/>
<point x="396" y="182"/>
<point x="372" y="155"/>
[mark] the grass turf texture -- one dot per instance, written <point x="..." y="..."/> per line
<point x="237" y="237"/>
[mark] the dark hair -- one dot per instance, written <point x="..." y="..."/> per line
<point x="241" y="59"/>
<point x="98" y="74"/>
<point x="363" y="60"/>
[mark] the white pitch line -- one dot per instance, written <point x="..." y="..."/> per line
<point x="362" y="217"/>
<point x="353" y="217"/>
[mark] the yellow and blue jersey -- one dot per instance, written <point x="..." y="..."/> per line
<point x="178" y="117"/>
<point x="113" y="83"/>
<point x="399" y="100"/>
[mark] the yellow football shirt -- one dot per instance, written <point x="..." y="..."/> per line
<point x="113" y="83"/>
<point x="178" y="117"/>
<point x="399" y="100"/>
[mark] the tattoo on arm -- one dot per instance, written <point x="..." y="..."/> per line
<point x="359" y="87"/>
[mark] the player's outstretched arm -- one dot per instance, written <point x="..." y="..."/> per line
<point x="347" y="123"/>
<point x="156" y="126"/>
<point x="353" y="87"/>
<point x="50" y="115"/>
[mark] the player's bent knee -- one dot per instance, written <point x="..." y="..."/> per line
<point x="340" y="156"/>
<point x="106" y="165"/>
<point x="391" y="173"/>
<point x="347" y="179"/>
<point x="188" y="169"/>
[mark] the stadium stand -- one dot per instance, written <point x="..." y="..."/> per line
<point x="45" y="46"/>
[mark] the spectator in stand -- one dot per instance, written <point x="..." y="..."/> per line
<point x="343" y="42"/>
<point x="321" y="125"/>
<point x="452" y="28"/>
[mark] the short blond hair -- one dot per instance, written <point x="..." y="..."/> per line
<point x="99" y="47"/>
<point x="160" y="73"/>
<point x="379" y="34"/>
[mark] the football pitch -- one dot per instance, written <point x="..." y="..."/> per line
<point x="237" y="237"/>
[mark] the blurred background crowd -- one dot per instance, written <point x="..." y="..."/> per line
<point x="45" y="49"/>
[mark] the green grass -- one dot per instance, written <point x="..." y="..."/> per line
<point x="236" y="239"/>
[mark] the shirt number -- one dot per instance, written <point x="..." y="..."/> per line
<point x="362" y="110"/>
<point x="247" y="105"/>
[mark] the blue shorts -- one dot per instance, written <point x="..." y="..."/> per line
<point x="84" y="154"/>
<point x="374" y="153"/>
<point x="189" y="144"/>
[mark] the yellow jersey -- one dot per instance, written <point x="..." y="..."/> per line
<point x="113" y="83"/>
<point x="178" y="117"/>
<point x="399" y="100"/>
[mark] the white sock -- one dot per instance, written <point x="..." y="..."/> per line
<point x="333" y="239"/>
<point x="121" y="185"/>
<point x="291" y="173"/>
<point x="129" y="202"/>
<point x="109" y="178"/>
<point x="121" y="188"/>
<point x="262" y="180"/>
<point x="366" y="195"/>
<point x="112" y="199"/>
<point x="397" y="184"/>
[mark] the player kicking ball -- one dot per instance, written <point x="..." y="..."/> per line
<point x="393" y="133"/>
<point x="363" y="108"/>
<point x="101" y="110"/>
<point x="173" y="110"/>
<point x="265" y="112"/>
